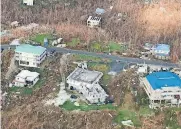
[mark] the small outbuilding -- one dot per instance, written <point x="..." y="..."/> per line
<point x="28" y="2"/>
<point x="94" y="21"/>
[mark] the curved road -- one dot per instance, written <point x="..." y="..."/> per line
<point x="112" y="57"/>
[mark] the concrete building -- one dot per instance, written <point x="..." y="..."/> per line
<point x="26" y="78"/>
<point x="142" y="69"/>
<point x="30" y="56"/>
<point x="86" y="83"/>
<point x="163" y="88"/>
<point x="161" y="51"/>
<point x="93" y="21"/>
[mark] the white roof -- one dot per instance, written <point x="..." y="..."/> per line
<point x="142" y="69"/>
<point x="95" y="19"/>
<point x="15" y="42"/>
<point x="84" y="75"/>
<point x="30" y="76"/>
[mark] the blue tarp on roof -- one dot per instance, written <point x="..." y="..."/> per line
<point x="163" y="79"/>
<point x="162" y="54"/>
<point x="162" y="47"/>
<point x="37" y="50"/>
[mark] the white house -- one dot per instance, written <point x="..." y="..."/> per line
<point x="30" y="56"/>
<point x="15" y="42"/>
<point x="28" y="2"/>
<point x="26" y="78"/>
<point x="142" y="69"/>
<point x="93" y="21"/>
<point x="86" y="83"/>
<point x="163" y="88"/>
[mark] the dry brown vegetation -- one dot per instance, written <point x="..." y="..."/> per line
<point x="140" y="17"/>
<point x="143" y="23"/>
<point x="37" y="116"/>
<point x="122" y="84"/>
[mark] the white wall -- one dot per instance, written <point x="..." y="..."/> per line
<point x="158" y="94"/>
<point x="31" y="58"/>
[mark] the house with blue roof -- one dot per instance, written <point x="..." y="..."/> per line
<point x="30" y="56"/>
<point x="163" y="87"/>
<point x="161" y="51"/>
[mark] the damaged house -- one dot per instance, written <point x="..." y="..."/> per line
<point x="94" y="21"/>
<point x="87" y="83"/>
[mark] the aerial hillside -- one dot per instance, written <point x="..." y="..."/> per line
<point x="130" y="21"/>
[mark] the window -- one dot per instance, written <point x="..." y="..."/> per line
<point x="24" y="62"/>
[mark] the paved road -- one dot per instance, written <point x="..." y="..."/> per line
<point x="112" y="57"/>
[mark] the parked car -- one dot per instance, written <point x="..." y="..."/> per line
<point x="73" y="97"/>
<point x="51" y="53"/>
<point x="2" y="49"/>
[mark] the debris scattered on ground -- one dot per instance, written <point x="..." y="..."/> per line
<point x="61" y="98"/>
<point x="76" y="104"/>
<point x="128" y="123"/>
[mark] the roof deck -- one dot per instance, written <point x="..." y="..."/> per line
<point x="26" y="48"/>
<point x="28" y="75"/>
<point x="83" y="75"/>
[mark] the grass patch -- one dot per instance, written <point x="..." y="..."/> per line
<point x="146" y="111"/>
<point x="27" y="91"/>
<point x="86" y="58"/>
<point x="96" y="47"/>
<point x="98" y="66"/>
<point x="39" y="38"/>
<point x="22" y="90"/>
<point x="127" y="115"/>
<point x="116" y="47"/>
<point x="84" y="107"/>
<point x="75" y="42"/>
<point x="106" y="79"/>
